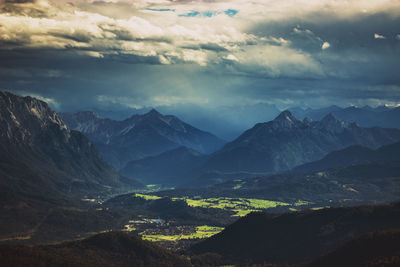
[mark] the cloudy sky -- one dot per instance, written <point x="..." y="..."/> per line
<point x="81" y="54"/>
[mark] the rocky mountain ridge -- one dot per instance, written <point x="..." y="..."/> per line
<point x="286" y="142"/>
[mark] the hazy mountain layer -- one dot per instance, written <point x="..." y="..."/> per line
<point x="171" y="168"/>
<point x="140" y="135"/>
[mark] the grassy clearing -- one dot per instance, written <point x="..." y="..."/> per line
<point x="147" y="197"/>
<point x="129" y="228"/>
<point x="301" y="203"/>
<point x="201" y="232"/>
<point x="242" y="206"/>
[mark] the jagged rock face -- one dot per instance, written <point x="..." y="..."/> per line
<point x="23" y="119"/>
<point x="36" y="144"/>
<point x="286" y="142"/>
<point x="140" y="135"/>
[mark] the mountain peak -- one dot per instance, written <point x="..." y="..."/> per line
<point x="331" y="123"/>
<point x="153" y="112"/>
<point x="285" y="115"/>
<point x="23" y="117"/>
<point x="330" y="118"/>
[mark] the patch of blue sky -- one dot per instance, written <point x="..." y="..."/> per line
<point x="161" y="9"/>
<point x="209" y="14"/>
<point x="190" y="14"/>
<point x="231" y="12"/>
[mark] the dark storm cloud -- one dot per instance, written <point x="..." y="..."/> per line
<point x="208" y="46"/>
<point x="353" y="52"/>
<point x="342" y="33"/>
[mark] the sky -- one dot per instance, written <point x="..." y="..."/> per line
<point x="117" y="54"/>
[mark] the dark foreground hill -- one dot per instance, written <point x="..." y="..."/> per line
<point x="381" y="248"/>
<point x="299" y="237"/>
<point x="108" y="249"/>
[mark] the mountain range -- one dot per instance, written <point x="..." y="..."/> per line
<point x="140" y="135"/>
<point x="285" y="142"/>
<point x="366" y="116"/>
<point x="229" y="122"/>
<point x="267" y="148"/>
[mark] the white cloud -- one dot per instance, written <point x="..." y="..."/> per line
<point x="50" y="101"/>
<point x="130" y="29"/>
<point x="379" y="36"/>
<point x="325" y="45"/>
<point x="231" y="58"/>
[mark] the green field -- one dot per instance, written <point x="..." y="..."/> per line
<point x="241" y="206"/>
<point x="147" y="197"/>
<point x="201" y="232"/>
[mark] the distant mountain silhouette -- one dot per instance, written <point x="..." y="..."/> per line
<point x="285" y="142"/>
<point x="140" y="135"/>
<point x="366" y="116"/>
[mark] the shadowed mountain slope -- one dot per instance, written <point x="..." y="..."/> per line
<point x="353" y="155"/>
<point x="168" y="168"/>
<point x="140" y="135"/>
